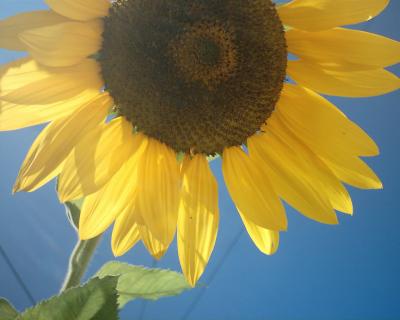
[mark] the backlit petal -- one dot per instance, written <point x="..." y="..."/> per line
<point x="289" y="177"/>
<point x="312" y="167"/>
<point x="198" y="217"/>
<point x="101" y="208"/>
<point x="321" y="125"/>
<point x="94" y="220"/>
<point x="12" y="26"/>
<point x="267" y="241"/>
<point x="16" y="116"/>
<point x="344" y="46"/>
<point x="96" y="158"/>
<point x="329" y="134"/>
<point x="155" y="247"/>
<point x="125" y="233"/>
<point x="63" y="44"/>
<point x="158" y="190"/>
<point x="363" y="83"/>
<point x="26" y="82"/>
<point x="251" y="190"/>
<point x="53" y="145"/>
<point x="31" y="94"/>
<point x="313" y="15"/>
<point x="353" y="171"/>
<point x="80" y="9"/>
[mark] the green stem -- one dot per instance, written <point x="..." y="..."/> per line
<point x="79" y="261"/>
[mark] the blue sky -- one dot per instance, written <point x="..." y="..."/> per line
<point x="349" y="271"/>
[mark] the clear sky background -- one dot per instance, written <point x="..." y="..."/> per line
<point x="349" y="271"/>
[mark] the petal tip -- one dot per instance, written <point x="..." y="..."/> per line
<point x="191" y="281"/>
<point x="16" y="188"/>
<point x="158" y="255"/>
<point x="117" y="252"/>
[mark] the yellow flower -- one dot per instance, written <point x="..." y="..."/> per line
<point x="138" y="93"/>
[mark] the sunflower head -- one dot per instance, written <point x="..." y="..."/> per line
<point x="198" y="76"/>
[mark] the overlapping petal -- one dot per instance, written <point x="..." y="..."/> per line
<point x="125" y="233"/>
<point x="101" y="208"/>
<point x="361" y="83"/>
<point x="155" y="247"/>
<point x="353" y="171"/>
<point x="251" y="190"/>
<point x="313" y="168"/>
<point x="53" y="145"/>
<point x="31" y="94"/>
<point x="25" y="81"/>
<point x="290" y="177"/>
<point x="11" y="27"/>
<point x="16" y="116"/>
<point x="329" y="134"/>
<point x="96" y="158"/>
<point x="63" y="44"/>
<point x="321" y="125"/>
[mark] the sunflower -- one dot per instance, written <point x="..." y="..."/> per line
<point x="140" y="94"/>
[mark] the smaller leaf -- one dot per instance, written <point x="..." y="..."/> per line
<point x="73" y="212"/>
<point x="95" y="300"/>
<point x="140" y="282"/>
<point x="7" y="310"/>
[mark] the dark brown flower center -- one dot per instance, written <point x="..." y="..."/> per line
<point x="197" y="75"/>
<point x="205" y="53"/>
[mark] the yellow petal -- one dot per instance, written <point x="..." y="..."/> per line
<point x="314" y="170"/>
<point x="94" y="220"/>
<point x="26" y="82"/>
<point x="54" y="144"/>
<point x="329" y="133"/>
<point x="31" y="181"/>
<point x="198" y="218"/>
<point x="344" y="46"/>
<point x="96" y="158"/>
<point x="101" y="208"/>
<point x="251" y="191"/>
<point x="158" y="190"/>
<point x="353" y="171"/>
<point x="363" y="83"/>
<point x="267" y="241"/>
<point x="289" y="177"/>
<point x="31" y="93"/>
<point x="12" y="26"/>
<point x="321" y="125"/>
<point x="80" y="9"/>
<point x="63" y="44"/>
<point x="125" y="233"/>
<point x="314" y="15"/>
<point x="156" y="248"/>
<point x="16" y="116"/>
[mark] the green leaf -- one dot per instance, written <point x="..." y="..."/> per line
<point x="73" y="211"/>
<point x="140" y="282"/>
<point x="96" y="300"/>
<point x="7" y="311"/>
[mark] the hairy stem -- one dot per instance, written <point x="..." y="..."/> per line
<point x="79" y="261"/>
